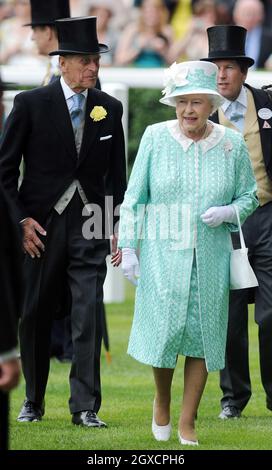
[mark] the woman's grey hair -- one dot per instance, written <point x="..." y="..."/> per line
<point x="214" y="102"/>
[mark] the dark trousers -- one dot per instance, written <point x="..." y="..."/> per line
<point x="235" y="378"/>
<point x="61" y="338"/>
<point x="81" y="263"/>
<point x="61" y="333"/>
<point x="4" y="415"/>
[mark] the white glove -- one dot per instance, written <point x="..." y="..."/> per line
<point x="130" y="265"/>
<point x="215" y="216"/>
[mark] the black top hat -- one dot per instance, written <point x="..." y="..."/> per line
<point x="44" y="13"/>
<point x="227" y="42"/>
<point x="78" y="36"/>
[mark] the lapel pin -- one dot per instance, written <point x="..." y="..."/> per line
<point x="266" y="125"/>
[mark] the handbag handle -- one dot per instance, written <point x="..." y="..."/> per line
<point x="242" y="240"/>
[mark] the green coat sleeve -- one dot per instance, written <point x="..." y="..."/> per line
<point x="136" y="197"/>
<point x="246" y="187"/>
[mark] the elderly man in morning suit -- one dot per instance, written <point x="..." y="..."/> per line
<point x="71" y="138"/>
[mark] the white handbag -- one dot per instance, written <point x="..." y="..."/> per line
<point x="242" y="275"/>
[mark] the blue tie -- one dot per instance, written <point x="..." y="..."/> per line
<point x="76" y="110"/>
<point x="236" y="114"/>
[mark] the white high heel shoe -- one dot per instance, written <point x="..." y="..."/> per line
<point x="186" y="442"/>
<point x="161" y="433"/>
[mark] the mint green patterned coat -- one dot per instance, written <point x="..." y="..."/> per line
<point x="174" y="180"/>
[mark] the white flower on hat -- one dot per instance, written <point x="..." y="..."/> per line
<point x="173" y="77"/>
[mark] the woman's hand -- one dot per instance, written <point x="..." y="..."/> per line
<point x="130" y="265"/>
<point x="215" y="216"/>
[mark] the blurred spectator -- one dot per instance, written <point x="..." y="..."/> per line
<point x="224" y="10"/>
<point x="146" y="41"/>
<point x="170" y="5"/>
<point x="250" y="15"/>
<point x="268" y="63"/>
<point x="5" y="10"/>
<point x="16" y="45"/>
<point x="128" y="3"/>
<point x="77" y="7"/>
<point x="268" y="13"/>
<point x="44" y="33"/>
<point x="181" y="18"/>
<point x="104" y="10"/>
<point x="195" y="44"/>
<point x="124" y="14"/>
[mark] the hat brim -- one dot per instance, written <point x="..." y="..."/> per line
<point x="102" y="48"/>
<point x="239" y="58"/>
<point x="40" y="23"/>
<point x="170" y="100"/>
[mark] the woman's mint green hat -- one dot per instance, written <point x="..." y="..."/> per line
<point x="194" y="77"/>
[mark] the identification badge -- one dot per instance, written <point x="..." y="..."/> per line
<point x="265" y="113"/>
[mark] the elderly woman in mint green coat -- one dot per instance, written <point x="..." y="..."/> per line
<point x="178" y="210"/>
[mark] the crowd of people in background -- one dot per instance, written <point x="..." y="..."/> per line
<point x="146" y="33"/>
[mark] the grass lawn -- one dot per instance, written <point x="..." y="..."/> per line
<point x="127" y="405"/>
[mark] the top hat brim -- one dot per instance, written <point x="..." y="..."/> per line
<point x="102" y="48"/>
<point x="221" y="56"/>
<point x="40" y="23"/>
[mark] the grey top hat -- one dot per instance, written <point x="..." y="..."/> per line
<point x="78" y="36"/>
<point x="44" y="13"/>
<point x="227" y="42"/>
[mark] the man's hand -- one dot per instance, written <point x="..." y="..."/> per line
<point x="116" y="254"/>
<point x="9" y="375"/>
<point x="31" y="242"/>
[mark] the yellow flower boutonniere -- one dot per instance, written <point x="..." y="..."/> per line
<point x="98" y="113"/>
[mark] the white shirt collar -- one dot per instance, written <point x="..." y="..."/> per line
<point x="68" y="93"/>
<point x="242" y="99"/>
<point x="206" y="144"/>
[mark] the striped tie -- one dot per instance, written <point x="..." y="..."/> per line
<point x="236" y="112"/>
<point x="76" y="110"/>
